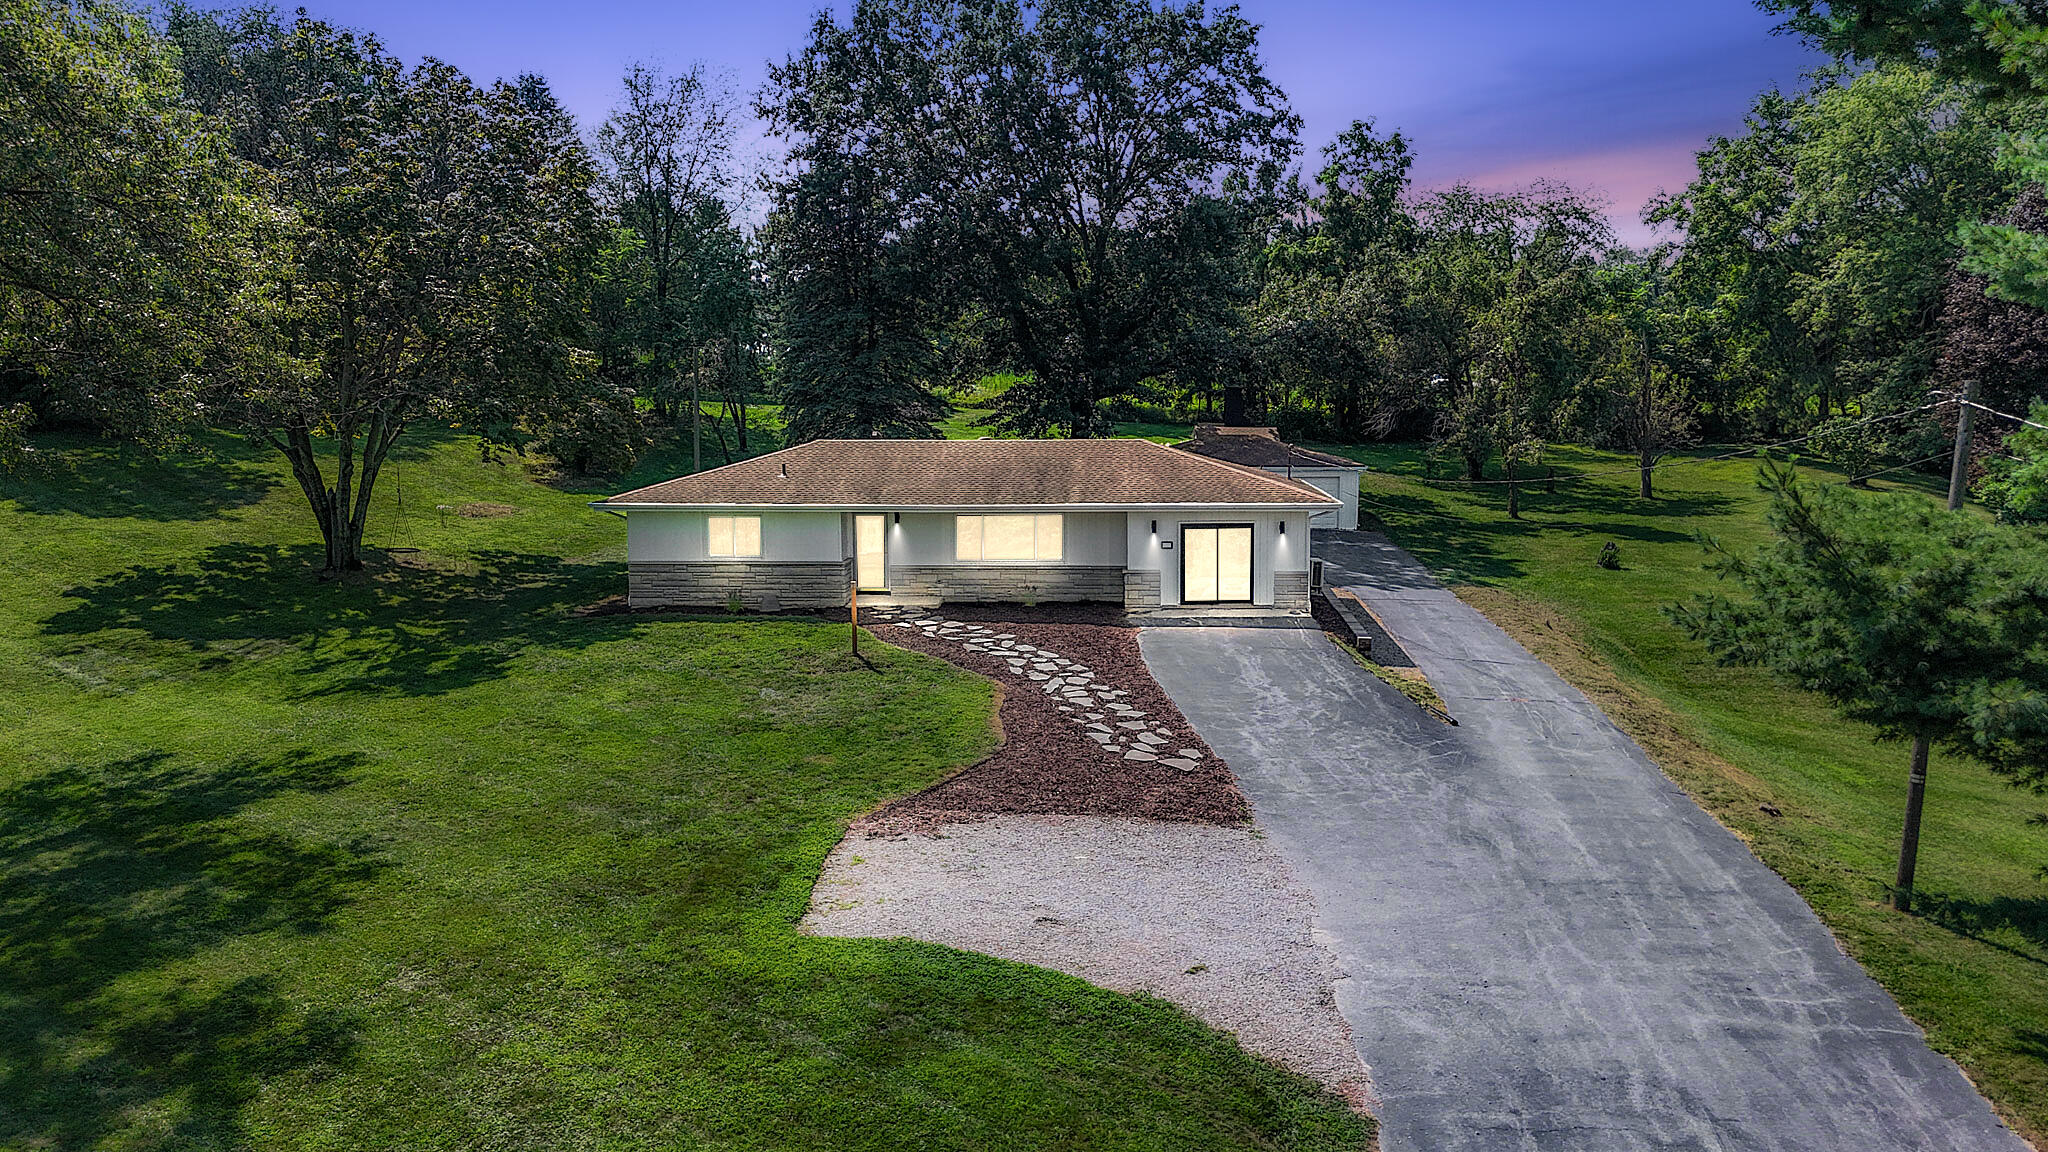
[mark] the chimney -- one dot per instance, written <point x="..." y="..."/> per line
<point x="1233" y="406"/>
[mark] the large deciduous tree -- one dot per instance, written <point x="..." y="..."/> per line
<point x="432" y="257"/>
<point x="1930" y="626"/>
<point x="123" y="223"/>
<point x="1642" y="386"/>
<point x="1495" y="299"/>
<point x="1086" y="172"/>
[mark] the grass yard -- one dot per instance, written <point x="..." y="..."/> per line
<point x="424" y="860"/>
<point x="1973" y="970"/>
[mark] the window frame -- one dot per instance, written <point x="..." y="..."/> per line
<point x="731" y="536"/>
<point x="1038" y="536"/>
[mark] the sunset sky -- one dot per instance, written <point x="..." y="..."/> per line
<point x="1610" y="96"/>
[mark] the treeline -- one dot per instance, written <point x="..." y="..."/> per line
<point x="241" y="220"/>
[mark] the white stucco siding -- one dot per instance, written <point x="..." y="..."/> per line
<point x="1272" y="550"/>
<point x="786" y="534"/>
<point x="1341" y="483"/>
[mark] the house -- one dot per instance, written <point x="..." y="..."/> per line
<point x="1262" y="448"/>
<point x="928" y="521"/>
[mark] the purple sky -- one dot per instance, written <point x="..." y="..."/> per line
<point x="1610" y="96"/>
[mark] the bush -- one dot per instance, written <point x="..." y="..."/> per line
<point x="599" y="434"/>
<point x="1610" y="556"/>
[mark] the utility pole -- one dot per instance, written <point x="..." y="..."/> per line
<point x="1959" y="468"/>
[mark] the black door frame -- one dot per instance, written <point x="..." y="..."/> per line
<point x="1251" y="591"/>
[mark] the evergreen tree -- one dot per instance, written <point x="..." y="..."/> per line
<point x="1929" y="625"/>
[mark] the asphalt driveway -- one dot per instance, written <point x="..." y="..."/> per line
<point x="1546" y="944"/>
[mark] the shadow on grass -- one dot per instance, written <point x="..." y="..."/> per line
<point x="2026" y="917"/>
<point x="411" y="630"/>
<point x="102" y="478"/>
<point x="112" y="873"/>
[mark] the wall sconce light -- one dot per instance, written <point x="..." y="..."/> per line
<point x="1155" y="527"/>
<point x="1283" y="527"/>
<point x="899" y="518"/>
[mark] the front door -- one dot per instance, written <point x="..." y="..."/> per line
<point x="1216" y="564"/>
<point x="870" y="556"/>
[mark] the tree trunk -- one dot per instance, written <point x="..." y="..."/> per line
<point x="1643" y="469"/>
<point x="342" y="509"/>
<point x="1909" y="843"/>
<point x="1475" y="464"/>
<point x="1514" y="493"/>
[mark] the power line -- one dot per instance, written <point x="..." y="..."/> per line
<point x="1679" y="463"/>
<point x="2007" y="415"/>
<point x="1895" y="468"/>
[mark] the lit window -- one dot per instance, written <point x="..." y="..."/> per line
<point x="1009" y="537"/>
<point x="735" y="536"/>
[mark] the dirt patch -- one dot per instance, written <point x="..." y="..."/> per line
<point x="1647" y="720"/>
<point x="1048" y="763"/>
<point x="482" y="510"/>
<point x="1208" y="918"/>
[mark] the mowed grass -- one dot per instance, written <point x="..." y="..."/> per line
<point x="425" y="860"/>
<point x="1973" y="968"/>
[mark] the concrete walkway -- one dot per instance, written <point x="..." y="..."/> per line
<point x="1548" y="945"/>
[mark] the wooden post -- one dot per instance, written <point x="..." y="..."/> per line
<point x="1909" y="844"/>
<point x="853" y="612"/>
<point x="1959" y="468"/>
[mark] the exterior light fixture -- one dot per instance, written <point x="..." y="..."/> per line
<point x="1283" y="527"/>
<point x="899" y="518"/>
<point x="1155" y="527"/>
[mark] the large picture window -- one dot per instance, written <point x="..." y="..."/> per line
<point x="734" y="536"/>
<point x="1023" y="537"/>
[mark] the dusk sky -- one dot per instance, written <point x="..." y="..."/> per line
<point x="1610" y="96"/>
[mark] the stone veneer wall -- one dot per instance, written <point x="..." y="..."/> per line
<point x="1141" y="589"/>
<point x="710" y="583"/>
<point x="1004" y="583"/>
<point x="1290" y="591"/>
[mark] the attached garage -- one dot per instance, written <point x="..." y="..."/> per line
<point x="1262" y="448"/>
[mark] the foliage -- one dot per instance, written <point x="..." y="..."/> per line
<point x="433" y="257"/>
<point x="1851" y="443"/>
<point x="1492" y="314"/>
<point x="124" y="225"/>
<point x="681" y="279"/>
<point x="1640" y="388"/>
<point x="1996" y="344"/>
<point x="1086" y="172"/>
<point x="2016" y="487"/>
<point x="853" y="283"/>
<point x="1919" y="622"/>
<point x="1823" y="236"/>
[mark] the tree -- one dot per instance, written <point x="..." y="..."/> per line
<point x="1825" y="233"/>
<point x="668" y="157"/>
<point x="1086" y="173"/>
<point x="1330" y="289"/>
<point x="124" y="226"/>
<point x="2000" y="48"/>
<point x="1998" y="345"/>
<point x="1928" y="625"/>
<point x="852" y="285"/>
<point x="1495" y="295"/>
<point x="433" y="257"/>
<point x="1641" y="385"/>
<point x="2016" y="487"/>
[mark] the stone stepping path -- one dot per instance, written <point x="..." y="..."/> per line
<point x="1121" y="731"/>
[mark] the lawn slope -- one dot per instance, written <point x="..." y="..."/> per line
<point x="425" y="859"/>
<point x="1973" y="970"/>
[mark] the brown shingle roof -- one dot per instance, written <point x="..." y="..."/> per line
<point x="1258" y="448"/>
<point x="976" y="473"/>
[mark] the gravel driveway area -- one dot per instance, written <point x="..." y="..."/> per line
<point x="1206" y="917"/>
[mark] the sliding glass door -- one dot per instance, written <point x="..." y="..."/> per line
<point x="1216" y="564"/>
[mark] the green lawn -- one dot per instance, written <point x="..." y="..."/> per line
<point x="1974" y="970"/>
<point x="424" y="860"/>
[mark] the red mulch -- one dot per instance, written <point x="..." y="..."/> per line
<point x="1046" y="764"/>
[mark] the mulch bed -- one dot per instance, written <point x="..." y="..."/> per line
<point x="1046" y="765"/>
